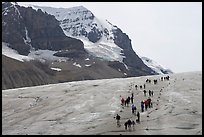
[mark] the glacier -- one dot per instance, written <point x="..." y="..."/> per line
<point x="88" y="107"/>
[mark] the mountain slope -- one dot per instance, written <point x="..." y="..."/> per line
<point x="155" y="66"/>
<point x="17" y="74"/>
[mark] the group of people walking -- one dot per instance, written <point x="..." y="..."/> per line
<point x="145" y="104"/>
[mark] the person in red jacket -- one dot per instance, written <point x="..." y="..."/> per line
<point x="146" y="104"/>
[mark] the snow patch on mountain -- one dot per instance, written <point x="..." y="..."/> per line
<point x="41" y="55"/>
<point x="156" y="66"/>
<point x="56" y="69"/>
<point x="44" y="55"/>
<point x="11" y="53"/>
<point x="77" y="65"/>
<point x="105" y="50"/>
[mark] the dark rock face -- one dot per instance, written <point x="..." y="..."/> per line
<point x="135" y="64"/>
<point x="94" y="35"/>
<point x="43" y="29"/>
<point x="70" y="54"/>
<point x="13" y="31"/>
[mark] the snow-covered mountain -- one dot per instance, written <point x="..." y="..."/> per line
<point x="100" y="38"/>
<point x="71" y="40"/>
<point x="156" y="66"/>
<point x="96" y="34"/>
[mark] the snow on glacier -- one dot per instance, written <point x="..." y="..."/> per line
<point x="88" y="107"/>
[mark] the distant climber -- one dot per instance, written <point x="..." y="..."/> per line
<point x="145" y="92"/>
<point x="117" y="117"/>
<point x="122" y="101"/>
<point x="136" y="87"/>
<point x="138" y="117"/>
<point x="133" y="109"/>
<point x="142" y="106"/>
<point x="132" y="99"/>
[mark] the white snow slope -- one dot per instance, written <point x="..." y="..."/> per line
<point x="88" y="107"/>
<point x="41" y="55"/>
<point x="155" y="66"/>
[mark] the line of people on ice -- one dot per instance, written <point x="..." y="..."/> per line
<point x="165" y="78"/>
<point x="126" y="102"/>
<point x="149" y="81"/>
<point x="144" y="86"/>
<point x="129" y="123"/>
<point x="151" y="93"/>
<point x="145" y="104"/>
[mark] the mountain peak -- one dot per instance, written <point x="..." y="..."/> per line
<point x="78" y="8"/>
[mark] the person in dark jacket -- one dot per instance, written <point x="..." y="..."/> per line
<point x="117" y="117"/>
<point x="142" y="106"/>
<point x="138" y="117"/>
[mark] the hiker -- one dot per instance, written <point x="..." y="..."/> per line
<point x="117" y="117"/>
<point x="150" y="93"/>
<point x="133" y="108"/>
<point x="128" y="100"/>
<point x="129" y="123"/>
<point x="136" y="87"/>
<point x="149" y="102"/>
<point x="155" y="81"/>
<point x="138" y="117"/>
<point x="131" y="99"/>
<point x="142" y="106"/>
<point x="140" y="86"/>
<point x="132" y="95"/>
<point x="145" y="92"/>
<point x="146" y="104"/>
<point x="126" y="123"/>
<point x="133" y="124"/>
<point x="144" y="86"/>
<point x="122" y="101"/>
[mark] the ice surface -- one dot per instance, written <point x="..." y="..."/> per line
<point x="88" y="107"/>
